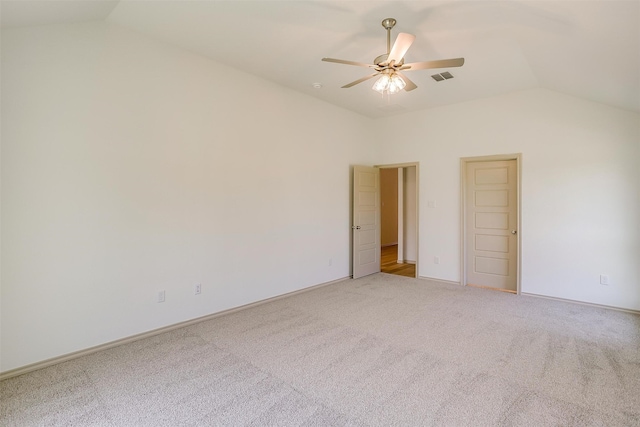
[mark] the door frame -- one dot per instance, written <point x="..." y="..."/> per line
<point x="417" y="212"/>
<point x="463" y="211"/>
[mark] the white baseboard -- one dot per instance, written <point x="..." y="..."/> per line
<point x="609" y="307"/>
<point x="70" y="356"/>
<point x="433" y="279"/>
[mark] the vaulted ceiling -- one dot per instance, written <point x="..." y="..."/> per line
<point x="588" y="49"/>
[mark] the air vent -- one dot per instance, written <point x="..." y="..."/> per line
<point x="442" y="76"/>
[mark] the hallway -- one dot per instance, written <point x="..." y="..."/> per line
<point x="389" y="263"/>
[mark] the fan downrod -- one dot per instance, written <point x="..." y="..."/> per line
<point x="388" y="24"/>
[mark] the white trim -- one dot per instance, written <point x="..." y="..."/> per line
<point x="591" y="304"/>
<point x="463" y="211"/>
<point x="433" y="279"/>
<point x="400" y="251"/>
<point x="398" y="165"/>
<point x="527" y="294"/>
<point x="70" y="356"/>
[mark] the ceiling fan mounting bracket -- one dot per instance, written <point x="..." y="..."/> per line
<point x="388" y="23"/>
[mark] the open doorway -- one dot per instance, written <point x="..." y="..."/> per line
<point x="399" y="219"/>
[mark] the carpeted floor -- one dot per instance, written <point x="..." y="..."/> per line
<point x="381" y="350"/>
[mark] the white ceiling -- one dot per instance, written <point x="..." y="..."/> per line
<point x="589" y="49"/>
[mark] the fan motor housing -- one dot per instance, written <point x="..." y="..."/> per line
<point x="380" y="59"/>
<point x="383" y="59"/>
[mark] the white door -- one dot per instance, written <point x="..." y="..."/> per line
<point x="366" y="221"/>
<point x="492" y="241"/>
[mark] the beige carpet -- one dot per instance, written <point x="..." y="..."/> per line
<point x="381" y="350"/>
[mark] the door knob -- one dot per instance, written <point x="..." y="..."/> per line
<point x="355" y="227"/>
<point x="514" y="231"/>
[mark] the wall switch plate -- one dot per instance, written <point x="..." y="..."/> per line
<point x="431" y="203"/>
<point x="160" y="296"/>
<point x="436" y="260"/>
<point x="197" y="289"/>
<point x="604" y="280"/>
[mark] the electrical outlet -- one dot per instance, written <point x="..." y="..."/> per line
<point x="160" y="296"/>
<point x="604" y="280"/>
<point x="436" y="260"/>
<point x="197" y="289"/>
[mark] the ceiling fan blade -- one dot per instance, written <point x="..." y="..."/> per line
<point x="365" y="78"/>
<point x="342" y="61"/>
<point x="400" y="47"/>
<point x="410" y="85"/>
<point x="442" y="63"/>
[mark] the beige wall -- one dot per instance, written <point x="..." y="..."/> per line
<point x="580" y="188"/>
<point x="129" y="167"/>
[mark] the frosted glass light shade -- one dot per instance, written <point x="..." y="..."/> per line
<point x="389" y="83"/>
<point x="382" y="83"/>
<point x="396" y="84"/>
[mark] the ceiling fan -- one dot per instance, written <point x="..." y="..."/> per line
<point x="389" y="65"/>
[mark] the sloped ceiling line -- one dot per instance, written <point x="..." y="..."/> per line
<point x="507" y="46"/>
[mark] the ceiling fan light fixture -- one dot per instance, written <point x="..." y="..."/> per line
<point x="382" y="84"/>
<point x="390" y="83"/>
<point x="396" y="84"/>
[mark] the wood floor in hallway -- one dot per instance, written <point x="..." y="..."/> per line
<point x="389" y="263"/>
